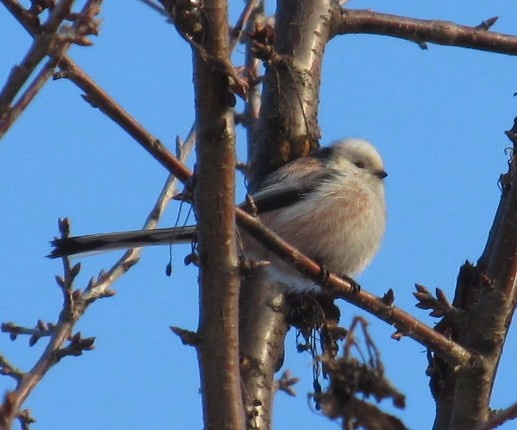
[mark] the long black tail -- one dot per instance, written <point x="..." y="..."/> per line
<point x="125" y="239"/>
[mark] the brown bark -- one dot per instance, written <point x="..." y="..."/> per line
<point x="288" y="124"/>
<point x="287" y="128"/>
<point x="218" y="350"/>
<point x="422" y="31"/>
<point x="486" y="294"/>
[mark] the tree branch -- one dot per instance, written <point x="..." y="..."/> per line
<point x="498" y="418"/>
<point x="96" y="287"/>
<point x="288" y="124"/>
<point x="486" y="294"/>
<point x="420" y="31"/>
<point x="99" y="98"/>
<point x="286" y="129"/>
<point x="52" y="44"/>
<point x="39" y="49"/>
<point x="214" y="197"/>
<point x="8" y="369"/>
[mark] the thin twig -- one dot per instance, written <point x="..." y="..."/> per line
<point x="8" y="369"/>
<point x="236" y="32"/>
<point x="106" y="279"/>
<point x="45" y="44"/>
<point x="42" y="329"/>
<point x="156" y="7"/>
<point x="28" y="20"/>
<point x="99" y="98"/>
<point x="252" y="70"/>
<point x="26" y="98"/>
<point x="39" y="49"/>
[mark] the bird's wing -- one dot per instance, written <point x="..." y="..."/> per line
<point x="288" y="185"/>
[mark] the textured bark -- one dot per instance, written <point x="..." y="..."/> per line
<point x="218" y="350"/>
<point x="287" y="128"/>
<point x="262" y="334"/>
<point x="288" y="124"/>
<point x="487" y="296"/>
<point x="422" y="31"/>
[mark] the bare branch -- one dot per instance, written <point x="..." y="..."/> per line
<point x="45" y="44"/>
<point x="421" y="31"/>
<point x="42" y="329"/>
<point x="131" y="257"/>
<point x="8" y="369"/>
<point x="498" y="418"/>
<point x="99" y="98"/>
<point x="487" y="296"/>
<point x="76" y="346"/>
<point x="73" y="308"/>
<point x="247" y="13"/>
<point x="26" y="98"/>
<point x="439" y="305"/>
<point x="39" y="49"/>
<point x="214" y="196"/>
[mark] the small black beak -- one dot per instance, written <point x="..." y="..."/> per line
<point x="381" y="174"/>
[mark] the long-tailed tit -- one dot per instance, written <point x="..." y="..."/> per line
<point x="329" y="205"/>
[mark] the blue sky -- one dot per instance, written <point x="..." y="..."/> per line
<point x="437" y="116"/>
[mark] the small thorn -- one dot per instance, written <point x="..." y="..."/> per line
<point x="389" y="297"/>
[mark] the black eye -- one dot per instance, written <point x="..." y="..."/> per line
<point x="359" y="164"/>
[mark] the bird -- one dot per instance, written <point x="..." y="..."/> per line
<point x="330" y="205"/>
